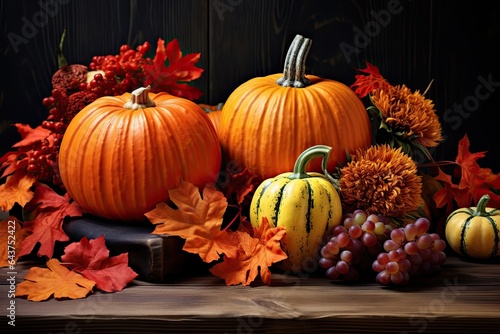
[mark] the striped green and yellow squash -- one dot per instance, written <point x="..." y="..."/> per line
<point x="474" y="232"/>
<point x="307" y="205"/>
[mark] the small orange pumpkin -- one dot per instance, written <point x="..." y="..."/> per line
<point x="268" y="121"/>
<point x="215" y="118"/>
<point x="121" y="154"/>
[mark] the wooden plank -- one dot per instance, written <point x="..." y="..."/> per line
<point x="464" y="297"/>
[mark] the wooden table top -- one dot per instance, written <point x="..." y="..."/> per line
<point x="463" y="298"/>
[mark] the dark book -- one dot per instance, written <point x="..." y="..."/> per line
<point x="155" y="258"/>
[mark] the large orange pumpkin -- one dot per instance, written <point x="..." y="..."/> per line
<point x="121" y="154"/>
<point x="268" y="121"/>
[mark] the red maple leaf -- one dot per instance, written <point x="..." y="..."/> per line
<point x="475" y="181"/>
<point x="369" y="80"/>
<point x="479" y="180"/>
<point x="164" y="78"/>
<point x="241" y="185"/>
<point x="50" y="209"/>
<point x="31" y="136"/>
<point x="255" y="255"/>
<point x="91" y="259"/>
<point x="451" y="194"/>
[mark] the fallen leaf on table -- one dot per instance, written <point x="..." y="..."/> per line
<point x="46" y="227"/>
<point x="11" y="236"/>
<point x="91" y="259"/>
<point x="55" y="280"/>
<point x="197" y="219"/>
<point x="255" y="254"/>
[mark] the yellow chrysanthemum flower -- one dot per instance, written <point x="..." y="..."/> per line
<point x="381" y="180"/>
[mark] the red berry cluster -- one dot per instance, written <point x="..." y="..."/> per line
<point x="114" y="75"/>
<point x="119" y="73"/>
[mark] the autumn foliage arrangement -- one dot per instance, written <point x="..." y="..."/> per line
<point x="31" y="180"/>
<point x="383" y="178"/>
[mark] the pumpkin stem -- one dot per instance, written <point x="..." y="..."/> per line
<point x="295" y="64"/>
<point x="299" y="169"/>
<point x="481" y="206"/>
<point x="139" y="98"/>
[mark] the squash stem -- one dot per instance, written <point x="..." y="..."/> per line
<point x="295" y="64"/>
<point x="299" y="169"/>
<point x="481" y="206"/>
<point x="139" y="98"/>
<point x="61" y="60"/>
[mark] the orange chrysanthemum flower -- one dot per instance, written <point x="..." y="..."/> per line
<point x="410" y="116"/>
<point x="381" y="180"/>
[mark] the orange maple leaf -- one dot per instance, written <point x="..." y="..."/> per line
<point x="57" y="280"/>
<point x="91" y="259"/>
<point x="198" y="220"/>
<point x="254" y="253"/>
<point x="16" y="189"/>
<point x="180" y="69"/>
<point x="46" y="228"/>
<point x="11" y="236"/>
<point x="474" y="181"/>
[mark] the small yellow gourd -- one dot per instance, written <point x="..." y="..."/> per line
<point x="474" y="232"/>
<point x="307" y="205"/>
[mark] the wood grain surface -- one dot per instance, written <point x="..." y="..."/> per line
<point x="463" y="298"/>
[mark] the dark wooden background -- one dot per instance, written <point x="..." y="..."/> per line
<point x="451" y="42"/>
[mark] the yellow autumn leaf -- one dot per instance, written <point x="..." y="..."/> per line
<point x="55" y="280"/>
<point x="16" y="189"/>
